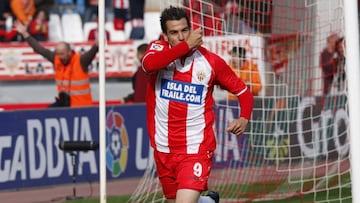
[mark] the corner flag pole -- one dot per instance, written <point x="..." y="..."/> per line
<point x="102" y="105"/>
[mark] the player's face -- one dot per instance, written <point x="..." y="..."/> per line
<point x="177" y="31"/>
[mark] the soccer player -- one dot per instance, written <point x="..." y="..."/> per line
<point x="180" y="107"/>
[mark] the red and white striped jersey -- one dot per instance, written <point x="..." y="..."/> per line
<point x="179" y="96"/>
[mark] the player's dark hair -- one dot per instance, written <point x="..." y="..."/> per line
<point x="173" y="13"/>
<point x="142" y="47"/>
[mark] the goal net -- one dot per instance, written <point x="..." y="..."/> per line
<point x="296" y="147"/>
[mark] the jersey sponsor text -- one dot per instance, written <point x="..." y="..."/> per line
<point x="181" y="91"/>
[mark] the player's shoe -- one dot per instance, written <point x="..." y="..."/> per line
<point x="214" y="195"/>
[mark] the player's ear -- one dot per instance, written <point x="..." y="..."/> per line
<point x="165" y="37"/>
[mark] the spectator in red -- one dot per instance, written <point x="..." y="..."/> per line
<point x="39" y="26"/>
<point x="93" y="34"/>
<point x="206" y="15"/>
<point x="328" y="63"/>
<point x="340" y="62"/>
<point x="7" y="36"/>
<point x="139" y="80"/>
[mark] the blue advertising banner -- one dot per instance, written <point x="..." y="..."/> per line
<point x="30" y="155"/>
<point x="29" y="145"/>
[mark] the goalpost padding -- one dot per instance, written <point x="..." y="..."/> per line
<point x="297" y="144"/>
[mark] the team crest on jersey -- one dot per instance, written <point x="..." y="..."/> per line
<point x="200" y="75"/>
<point x="157" y="47"/>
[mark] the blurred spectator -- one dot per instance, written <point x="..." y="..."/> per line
<point x="93" y="34"/>
<point x="139" y="80"/>
<point x="7" y="36"/>
<point x="63" y="2"/>
<point x="39" y="26"/>
<point x="71" y="70"/>
<point x="121" y="13"/>
<point x="23" y="10"/>
<point x="5" y="12"/>
<point x="91" y="10"/>
<point x="218" y="16"/>
<point x="65" y="6"/>
<point x="137" y="19"/>
<point x="234" y="19"/>
<point x="340" y="62"/>
<point x="80" y="7"/>
<point x="245" y="70"/>
<point x="328" y="63"/>
<point x="206" y="14"/>
<point x="45" y="5"/>
<point x="133" y="10"/>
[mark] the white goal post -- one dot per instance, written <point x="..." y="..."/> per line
<point x="353" y="71"/>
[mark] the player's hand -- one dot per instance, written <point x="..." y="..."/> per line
<point x="195" y="38"/>
<point x="237" y="126"/>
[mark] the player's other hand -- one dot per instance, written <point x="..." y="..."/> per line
<point x="195" y="38"/>
<point x="237" y="126"/>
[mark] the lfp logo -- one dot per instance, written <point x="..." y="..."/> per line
<point x="117" y="143"/>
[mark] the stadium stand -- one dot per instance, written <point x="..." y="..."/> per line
<point x="88" y="26"/>
<point x="55" y="29"/>
<point x="115" y="35"/>
<point x="72" y="27"/>
<point x="69" y="27"/>
<point x="152" y="25"/>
